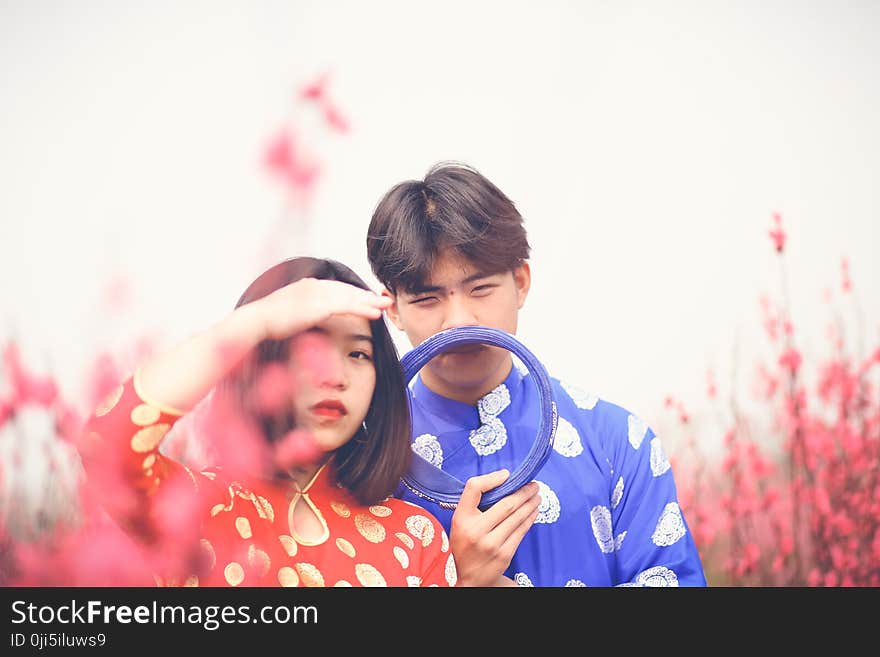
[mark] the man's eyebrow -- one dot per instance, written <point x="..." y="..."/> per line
<point x="422" y="289"/>
<point x="427" y="287"/>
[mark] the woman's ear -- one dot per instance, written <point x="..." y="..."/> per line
<point x="522" y="278"/>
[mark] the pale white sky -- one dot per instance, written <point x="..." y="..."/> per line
<point x="646" y="144"/>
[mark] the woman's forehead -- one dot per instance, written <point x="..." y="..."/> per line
<point x="351" y="327"/>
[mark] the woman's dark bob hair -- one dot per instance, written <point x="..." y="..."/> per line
<point x="371" y="464"/>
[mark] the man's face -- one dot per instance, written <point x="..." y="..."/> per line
<point x="455" y="294"/>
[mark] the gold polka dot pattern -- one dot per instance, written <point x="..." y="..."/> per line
<point x="243" y="527"/>
<point x="369" y="528"/>
<point x="341" y="509"/>
<point x="264" y="508"/>
<point x="289" y="544"/>
<point x="401" y="556"/>
<point x="345" y="547"/>
<point x="380" y="511"/>
<point x="208" y="551"/>
<point x="309" y="574"/>
<point x="287" y="576"/>
<point x="234" y="573"/>
<point x="110" y="400"/>
<point x="405" y="539"/>
<point x="368" y="575"/>
<point x="450" y="572"/>
<point x="258" y="560"/>
<point x="147" y="438"/>
<point x="420" y="527"/>
<point x="144" y="414"/>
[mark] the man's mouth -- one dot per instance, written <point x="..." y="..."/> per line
<point x="466" y="349"/>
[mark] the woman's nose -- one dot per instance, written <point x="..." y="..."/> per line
<point x="332" y="372"/>
<point x="320" y="363"/>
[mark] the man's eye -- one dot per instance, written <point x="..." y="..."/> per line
<point x="422" y="299"/>
<point x="484" y="289"/>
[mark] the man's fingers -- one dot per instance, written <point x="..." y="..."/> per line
<point x="476" y="486"/>
<point x="506" y="506"/>
<point x="523" y="515"/>
<point x="517" y="532"/>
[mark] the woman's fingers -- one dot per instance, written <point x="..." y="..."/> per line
<point x="308" y="301"/>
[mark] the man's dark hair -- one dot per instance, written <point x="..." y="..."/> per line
<point x="454" y="208"/>
<point x="371" y="464"/>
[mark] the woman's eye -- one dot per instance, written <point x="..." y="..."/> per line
<point x="361" y="355"/>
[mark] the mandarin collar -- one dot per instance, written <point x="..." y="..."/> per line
<point x="459" y="412"/>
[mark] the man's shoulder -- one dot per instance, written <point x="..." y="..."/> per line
<point x="610" y="422"/>
<point x="570" y="393"/>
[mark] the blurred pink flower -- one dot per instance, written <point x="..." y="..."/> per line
<point x="296" y="447"/>
<point x="791" y="360"/>
<point x="846" y="281"/>
<point x="26" y="387"/>
<point x="777" y="234"/>
<point x="288" y="160"/>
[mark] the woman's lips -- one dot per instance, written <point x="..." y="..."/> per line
<point x="329" y="408"/>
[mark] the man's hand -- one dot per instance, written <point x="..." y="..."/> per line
<point x="483" y="542"/>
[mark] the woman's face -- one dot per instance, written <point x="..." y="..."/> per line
<point x="334" y="379"/>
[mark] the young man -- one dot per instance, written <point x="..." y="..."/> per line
<point x="451" y="251"/>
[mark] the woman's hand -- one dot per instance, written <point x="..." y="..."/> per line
<point x="309" y="301"/>
<point x="183" y="375"/>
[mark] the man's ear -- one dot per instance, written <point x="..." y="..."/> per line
<point x="392" y="311"/>
<point x="522" y="278"/>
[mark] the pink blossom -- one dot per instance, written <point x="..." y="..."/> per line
<point x="711" y="388"/>
<point x="288" y="160"/>
<point x="315" y="90"/>
<point x="295" y="448"/>
<point x="846" y="281"/>
<point x="27" y="388"/>
<point x="335" y="119"/>
<point x="791" y="359"/>
<point x="274" y="388"/>
<point x="777" y="234"/>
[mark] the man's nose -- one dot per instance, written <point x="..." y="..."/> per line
<point x="458" y="313"/>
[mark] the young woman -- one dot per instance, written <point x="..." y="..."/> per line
<point x="306" y="363"/>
